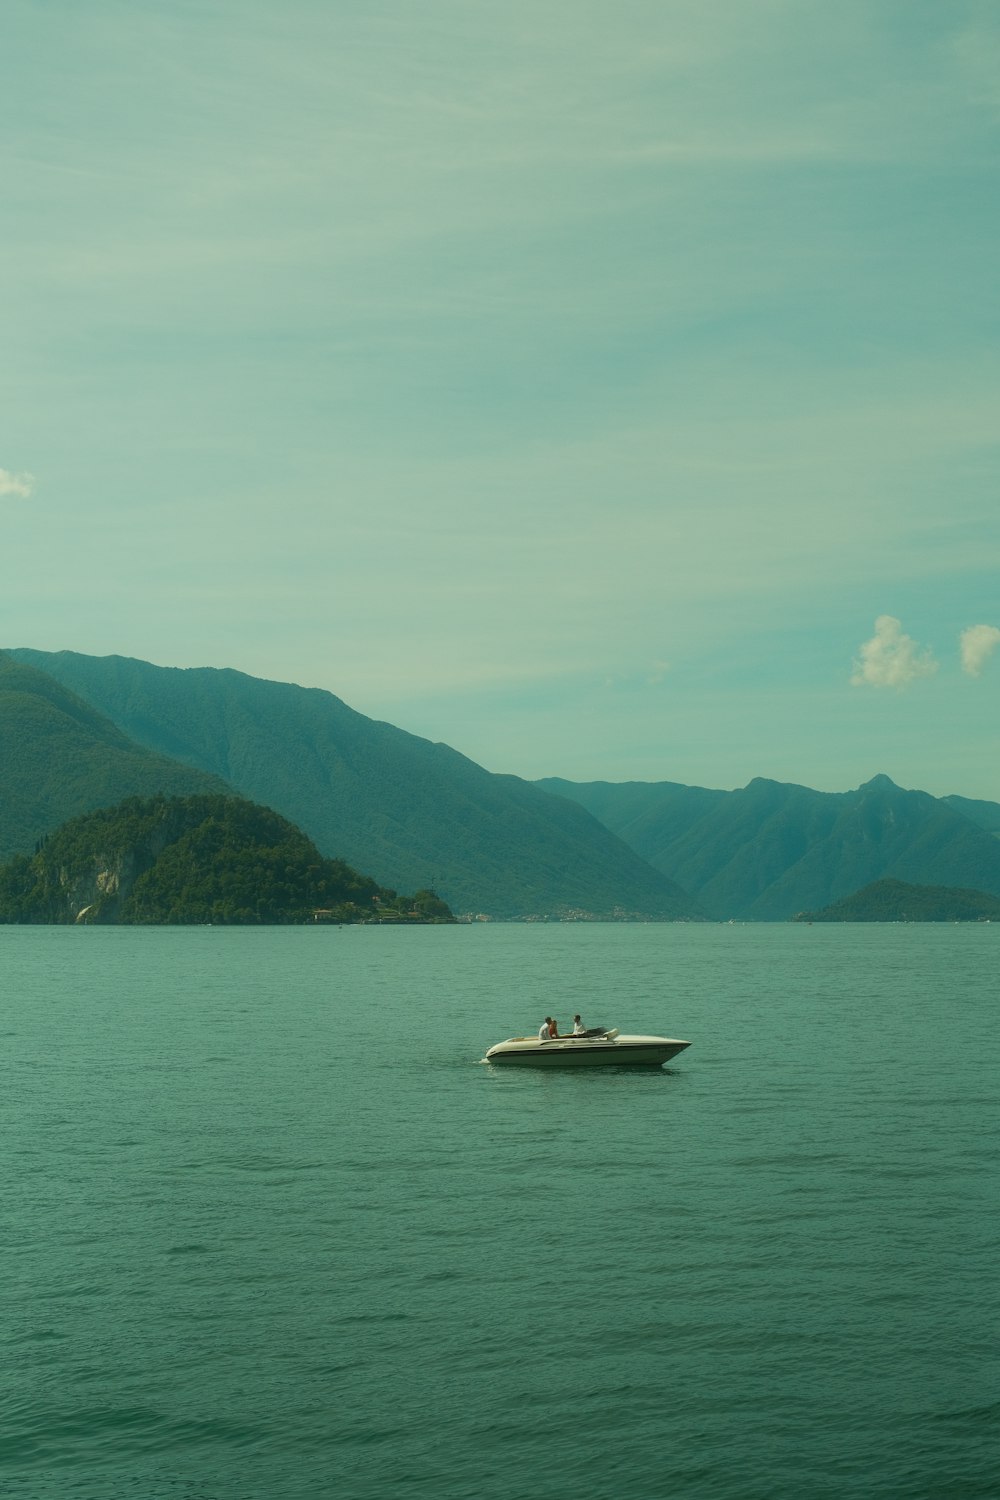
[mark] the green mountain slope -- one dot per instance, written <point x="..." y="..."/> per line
<point x="770" y="850"/>
<point x="415" y="813"/>
<point x="895" y="901"/>
<point x="983" y="814"/>
<point x="60" y="757"/>
<point x="191" y="860"/>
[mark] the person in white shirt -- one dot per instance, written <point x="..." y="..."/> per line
<point x="578" y="1027"/>
<point x="545" y="1030"/>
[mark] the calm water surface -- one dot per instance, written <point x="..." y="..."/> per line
<point x="271" y="1229"/>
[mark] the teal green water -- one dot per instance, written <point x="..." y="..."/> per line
<point x="272" y="1229"/>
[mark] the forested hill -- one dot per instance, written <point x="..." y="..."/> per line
<point x="896" y="901"/>
<point x="60" y="756"/>
<point x="771" y="849"/>
<point x="416" y="814"/>
<point x="206" y="859"/>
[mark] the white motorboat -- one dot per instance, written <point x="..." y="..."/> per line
<point x="607" y="1049"/>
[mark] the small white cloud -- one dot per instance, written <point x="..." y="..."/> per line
<point x="16" y="484"/>
<point x="891" y="658"/>
<point x="978" y="644"/>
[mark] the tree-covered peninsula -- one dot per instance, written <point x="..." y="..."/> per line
<point x="897" y="901"/>
<point x="188" y="860"/>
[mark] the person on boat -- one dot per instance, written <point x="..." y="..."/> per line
<point x="578" y="1027"/>
<point x="546" y="1030"/>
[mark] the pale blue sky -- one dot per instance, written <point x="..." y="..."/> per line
<point x="574" y="382"/>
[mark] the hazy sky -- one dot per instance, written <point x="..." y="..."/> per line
<point x="611" y="390"/>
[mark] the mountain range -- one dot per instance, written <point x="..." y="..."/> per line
<point x="770" y="849"/>
<point x="79" y="732"/>
<point x="410" y="813"/>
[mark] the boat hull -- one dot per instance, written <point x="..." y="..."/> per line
<point x="609" y="1052"/>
